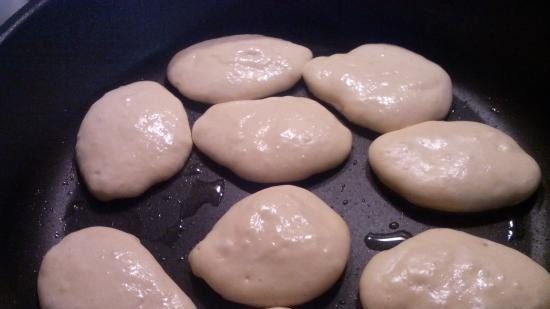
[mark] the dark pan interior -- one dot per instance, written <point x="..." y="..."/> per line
<point x="58" y="57"/>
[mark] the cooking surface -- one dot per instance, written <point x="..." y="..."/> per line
<point x="55" y="73"/>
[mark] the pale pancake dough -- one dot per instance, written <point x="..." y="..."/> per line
<point x="457" y="166"/>
<point x="238" y="67"/>
<point x="443" y="268"/>
<point x="101" y="267"/>
<point x="132" y="138"/>
<point x="281" y="246"/>
<point x="381" y="87"/>
<point x="277" y="139"/>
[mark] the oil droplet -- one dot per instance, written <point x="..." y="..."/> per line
<point x="172" y="234"/>
<point x="345" y="202"/>
<point x="394" y="225"/>
<point x="201" y="193"/>
<point x="514" y="231"/>
<point x="195" y="169"/>
<point x="495" y="110"/>
<point x="56" y="235"/>
<point x="385" y="241"/>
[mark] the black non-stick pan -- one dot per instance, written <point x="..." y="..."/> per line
<point x="58" y="57"/>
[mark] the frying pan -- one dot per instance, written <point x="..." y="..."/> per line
<point x="57" y="57"/>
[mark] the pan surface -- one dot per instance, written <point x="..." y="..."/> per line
<point x="58" y="57"/>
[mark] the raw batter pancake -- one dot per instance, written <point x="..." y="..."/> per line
<point x="443" y="268"/>
<point x="381" y="87"/>
<point x="238" y="67"/>
<point x="281" y="246"/>
<point x="458" y="166"/>
<point x="101" y="267"/>
<point x="132" y="138"/>
<point x="277" y="139"/>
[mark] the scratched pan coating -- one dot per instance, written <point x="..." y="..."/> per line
<point x="55" y="64"/>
